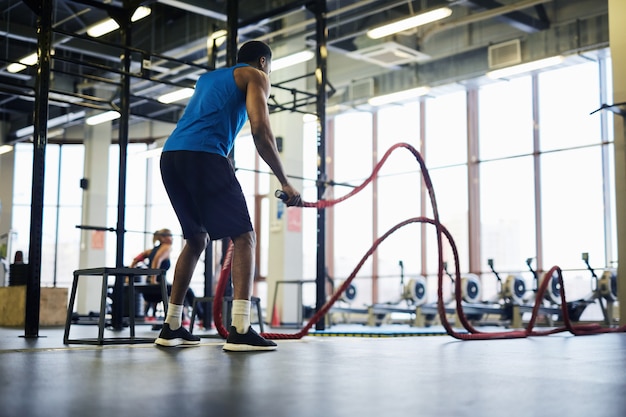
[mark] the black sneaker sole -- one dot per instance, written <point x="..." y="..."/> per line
<point x="240" y="347"/>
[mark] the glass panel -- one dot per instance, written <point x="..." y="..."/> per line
<point x="398" y="198"/>
<point x="612" y="257"/>
<point x="72" y="170"/>
<point x="309" y="216"/>
<point x="135" y="176"/>
<point x="353" y="217"/>
<point x="265" y="237"/>
<point x="572" y="207"/>
<point x="566" y="97"/>
<point x="446" y="130"/>
<point x="23" y="174"/>
<point x="245" y="156"/>
<point x="507" y="217"/>
<point x="51" y="176"/>
<point x="48" y="246"/>
<point x="505" y="119"/>
<point x="68" y="255"/>
<point x="114" y="170"/>
<point x="450" y="186"/>
<point x="20" y="223"/>
<point x="161" y="212"/>
<point x="136" y="238"/>
<point x="446" y="144"/>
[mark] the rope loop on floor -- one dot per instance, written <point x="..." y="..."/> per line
<point x="470" y="332"/>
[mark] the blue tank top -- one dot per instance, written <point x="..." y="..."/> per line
<point x="213" y="117"/>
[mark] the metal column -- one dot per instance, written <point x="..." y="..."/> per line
<point x="321" y="36"/>
<point x="43" y="9"/>
<point x="123" y="19"/>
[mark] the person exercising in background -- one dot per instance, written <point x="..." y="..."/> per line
<point x="158" y="257"/>
<point x="200" y="181"/>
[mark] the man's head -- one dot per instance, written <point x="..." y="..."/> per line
<point x="256" y="53"/>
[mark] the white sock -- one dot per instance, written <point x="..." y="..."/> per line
<point x="174" y="314"/>
<point x="241" y="315"/>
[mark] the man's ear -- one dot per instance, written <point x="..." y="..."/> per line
<point x="262" y="62"/>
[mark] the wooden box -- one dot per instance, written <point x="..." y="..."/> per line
<point x="52" y="307"/>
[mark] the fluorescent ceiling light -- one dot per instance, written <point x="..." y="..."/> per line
<point x="109" y="25"/>
<point x="409" y="23"/>
<point x="57" y="121"/>
<point x="5" y="149"/>
<point x="102" y="117"/>
<point x="218" y="37"/>
<point x="102" y="28"/>
<point x="55" y="132"/>
<point x="399" y="96"/>
<point x="292" y="59"/>
<point x="177" y="95"/>
<point x="527" y="67"/>
<point x="28" y="60"/>
<point x="307" y="118"/>
<point x="15" y="68"/>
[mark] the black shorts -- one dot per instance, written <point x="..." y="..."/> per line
<point x="205" y="194"/>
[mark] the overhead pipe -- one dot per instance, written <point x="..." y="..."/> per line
<point x="477" y="17"/>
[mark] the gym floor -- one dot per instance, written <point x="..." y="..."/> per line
<point x="436" y="375"/>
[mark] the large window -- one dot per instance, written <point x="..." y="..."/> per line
<point x="61" y="211"/>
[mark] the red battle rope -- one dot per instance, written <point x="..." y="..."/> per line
<point x="472" y="333"/>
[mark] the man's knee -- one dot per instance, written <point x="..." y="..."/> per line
<point x="248" y="239"/>
<point x="198" y="242"/>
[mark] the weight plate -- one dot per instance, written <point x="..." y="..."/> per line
<point x="349" y="294"/>
<point x="607" y="285"/>
<point x="416" y="290"/>
<point x="514" y="289"/>
<point x="471" y="288"/>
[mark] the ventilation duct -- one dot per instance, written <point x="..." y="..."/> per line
<point x="505" y="54"/>
<point x="361" y="90"/>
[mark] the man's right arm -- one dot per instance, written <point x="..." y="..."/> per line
<point x="257" y="92"/>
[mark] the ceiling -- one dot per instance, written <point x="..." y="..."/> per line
<point x="169" y="49"/>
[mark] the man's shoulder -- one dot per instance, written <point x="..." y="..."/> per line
<point x="246" y="75"/>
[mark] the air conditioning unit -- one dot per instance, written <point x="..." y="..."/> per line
<point x="389" y="54"/>
<point x="505" y="54"/>
<point x="361" y="90"/>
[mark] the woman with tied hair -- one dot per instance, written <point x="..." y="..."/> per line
<point x="158" y="257"/>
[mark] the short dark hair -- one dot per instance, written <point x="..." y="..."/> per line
<point x="251" y="51"/>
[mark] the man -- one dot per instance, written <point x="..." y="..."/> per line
<point x="206" y="196"/>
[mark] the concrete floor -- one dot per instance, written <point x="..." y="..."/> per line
<point x="558" y="375"/>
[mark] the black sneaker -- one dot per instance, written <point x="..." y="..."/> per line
<point x="248" y="342"/>
<point x="180" y="336"/>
